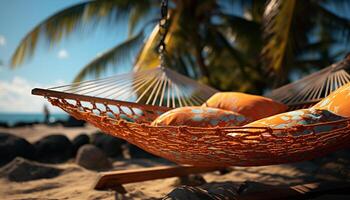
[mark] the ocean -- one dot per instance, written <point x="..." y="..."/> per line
<point x="12" y="118"/>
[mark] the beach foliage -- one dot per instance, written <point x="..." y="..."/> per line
<point x="230" y="44"/>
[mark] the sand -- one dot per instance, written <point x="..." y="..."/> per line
<point x="77" y="183"/>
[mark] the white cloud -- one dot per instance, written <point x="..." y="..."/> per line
<point x="15" y="96"/>
<point x="99" y="54"/>
<point x="2" y="40"/>
<point x="62" y="54"/>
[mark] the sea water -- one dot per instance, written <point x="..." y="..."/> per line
<point x="12" y="118"/>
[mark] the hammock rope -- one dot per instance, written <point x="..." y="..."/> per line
<point x="157" y="87"/>
<point x="311" y="89"/>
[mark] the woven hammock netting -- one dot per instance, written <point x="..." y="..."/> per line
<point x="125" y="105"/>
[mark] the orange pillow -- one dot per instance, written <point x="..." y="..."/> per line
<point x="337" y="102"/>
<point x="252" y="106"/>
<point x="200" y="117"/>
<point x="300" y="117"/>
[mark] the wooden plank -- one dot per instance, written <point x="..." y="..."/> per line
<point x="114" y="179"/>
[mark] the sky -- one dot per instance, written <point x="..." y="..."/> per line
<point x="49" y="66"/>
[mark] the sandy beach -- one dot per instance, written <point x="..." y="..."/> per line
<point x="75" y="182"/>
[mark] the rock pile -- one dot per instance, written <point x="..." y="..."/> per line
<point x="57" y="148"/>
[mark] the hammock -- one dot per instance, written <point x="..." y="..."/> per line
<point x="158" y="90"/>
<point x="311" y="89"/>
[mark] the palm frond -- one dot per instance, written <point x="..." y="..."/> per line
<point x="148" y="56"/>
<point x="333" y="23"/>
<point x="340" y="5"/>
<point x="321" y="45"/>
<point x="65" y="22"/>
<point x="246" y="33"/>
<point x="112" y="58"/>
<point x="277" y="22"/>
<point x="138" y="13"/>
<point x="221" y="43"/>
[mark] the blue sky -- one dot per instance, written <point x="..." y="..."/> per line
<point x="48" y="67"/>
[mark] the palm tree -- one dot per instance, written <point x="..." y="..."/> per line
<point x="301" y="34"/>
<point x="206" y="40"/>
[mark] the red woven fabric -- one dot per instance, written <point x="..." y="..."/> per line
<point x="229" y="146"/>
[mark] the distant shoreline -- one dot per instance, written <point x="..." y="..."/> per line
<point x="13" y="118"/>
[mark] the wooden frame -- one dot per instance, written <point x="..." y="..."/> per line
<point x="115" y="179"/>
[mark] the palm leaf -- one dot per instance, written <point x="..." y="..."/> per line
<point x="148" y="56"/>
<point x="112" y="58"/>
<point x="65" y="22"/>
<point x="339" y="5"/>
<point x="221" y="44"/>
<point x="138" y="13"/>
<point x="277" y="22"/>
<point x="335" y="24"/>
<point x="246" y="33"/>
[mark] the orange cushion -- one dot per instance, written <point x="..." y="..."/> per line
<point x="299" y="117"/>
<point x="200" y="117"/>
<point x="337" y="102"/>
<point x="252" y="106"/>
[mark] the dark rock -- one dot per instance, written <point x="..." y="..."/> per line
<point x="23" y="170"/>
<point x="337" y="169"/>
<point x="24" y="124"/>
<point x="53" y="149"/>
<point x="93" y="158"/>
<point x="4" y="125"/>
<point x="79" y="141"/>
<point x="344" y="154"/>
<point x="110" y="145"/>
<point x="222" y="190"/>
<point x="191" y="180"/>
<point x="12" y="146"/>
<point x="57" y="122"/>
<point x="188" y="193"/>
<point x="136" y="152"/>
<point x="210" y="191"/>
<point x="224" y="171"/>
<point x="251" y="187"/>
<point x="72" y="122"/>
